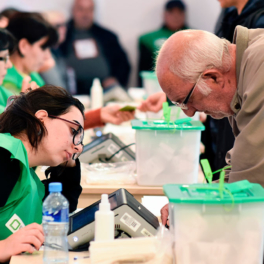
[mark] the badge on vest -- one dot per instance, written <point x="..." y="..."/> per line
<point x="85" y="49"/>
<point x="14" y="223"/>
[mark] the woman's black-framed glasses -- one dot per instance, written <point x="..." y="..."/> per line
<point x="77" y="135"/>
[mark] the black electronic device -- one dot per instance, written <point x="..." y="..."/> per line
<point x="131" y="218"/>
<point x="107" y="148"/>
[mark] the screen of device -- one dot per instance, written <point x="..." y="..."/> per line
<point x="87" y="215"/>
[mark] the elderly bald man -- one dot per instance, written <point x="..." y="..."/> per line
<point x="201" y="72"/>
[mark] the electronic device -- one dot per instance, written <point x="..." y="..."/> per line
<point x="107" y="148"/>
<point x="131" y="219"/>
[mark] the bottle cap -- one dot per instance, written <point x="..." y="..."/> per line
<point x="104" y="205"/>
<point x="55" y="187"/>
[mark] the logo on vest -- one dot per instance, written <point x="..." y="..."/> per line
<point x="14" y="223"/>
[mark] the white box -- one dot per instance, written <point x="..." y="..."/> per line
<point x="167" y="153"/>
<point x="208" y="229"/>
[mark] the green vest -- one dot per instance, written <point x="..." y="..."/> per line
<point x="154" y="40"/>
<point x="24" y="204"/>
<point x="13" y="80"/>
<point x="4" y="94"/>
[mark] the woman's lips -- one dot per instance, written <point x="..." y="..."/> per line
<point x="68" y="156"/>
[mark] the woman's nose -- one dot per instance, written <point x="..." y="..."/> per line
<point x="78" y="148"/>
<point x="8" y="64"/>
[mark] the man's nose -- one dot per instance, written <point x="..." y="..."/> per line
<point x="189" y="112"/>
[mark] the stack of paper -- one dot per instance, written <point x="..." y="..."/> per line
<point x="135" y="250"/>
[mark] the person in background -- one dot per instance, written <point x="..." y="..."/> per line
<point x="41" y="127"/>
<point x="93" y="51"/>
<point x="150" y="43"/>
<point x="57" y="75"/>
<point x="5" y="16"/>
<point x="35" y="37"/>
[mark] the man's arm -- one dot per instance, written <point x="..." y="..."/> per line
<point x="247" y="155"/>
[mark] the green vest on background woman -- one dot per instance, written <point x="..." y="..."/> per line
<point x="4" y="94"/>
<point x="24" y="205"/>
<point x="13" y="80"/>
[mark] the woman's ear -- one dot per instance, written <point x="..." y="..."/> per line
<point x="24" y="46"/>
<point x="41" y="115"/>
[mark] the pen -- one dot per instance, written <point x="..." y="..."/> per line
<point x="75" y="258"/>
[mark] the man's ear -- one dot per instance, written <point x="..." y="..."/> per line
<point x="23" y="46"/>
<point x="42" y="115"/>
<point x="214" y="75"/>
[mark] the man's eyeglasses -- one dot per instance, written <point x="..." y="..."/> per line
<point x="183" y="105"/>
<point x="77" y="135"/>
<point x="5" y="58"/>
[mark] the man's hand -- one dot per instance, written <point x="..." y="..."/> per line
<point x="26" y="84"/>
<point x="153" y="103"/>
<point x="29" y="238"/>
<point x="202" y="117"/>
<point x="111" y="114"/>
<point x="164" y="214"/>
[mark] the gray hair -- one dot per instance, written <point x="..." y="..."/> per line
<point x="207" y="51"/>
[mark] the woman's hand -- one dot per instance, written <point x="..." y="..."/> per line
<point x="29" y="238"/>
<point x="26" y="84"/>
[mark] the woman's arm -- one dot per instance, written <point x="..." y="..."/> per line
<point x="70" y="177"/>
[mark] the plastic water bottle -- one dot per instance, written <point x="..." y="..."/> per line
<point x="55" y="225"/>
<point x="96" y="94"/>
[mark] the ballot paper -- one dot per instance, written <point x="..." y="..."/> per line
<point x="136" y="250"/>
<point x="128" y="108"/>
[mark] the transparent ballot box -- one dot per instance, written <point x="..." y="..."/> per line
<point x="150" y="82"/>
<point x="167" y="153"/>
<point x="214" y="225"/>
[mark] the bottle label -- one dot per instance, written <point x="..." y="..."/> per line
<point x="57" y="216"/>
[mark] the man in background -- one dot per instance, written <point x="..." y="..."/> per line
<point x="150" y="43"/>
<point x="93" y="51"/>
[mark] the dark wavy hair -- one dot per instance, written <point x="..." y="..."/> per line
<point x="19" y="117"/>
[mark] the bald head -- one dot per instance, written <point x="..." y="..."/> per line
<point x="83" y="13"/>
<point x="188" y="53"/>
<point x="194" y="56"/>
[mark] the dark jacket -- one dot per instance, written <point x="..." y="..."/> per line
<point x="218" y="137"/>
<point x="252" y="16"/>
<point x="69" y="177"/>
<point x="112" y="50"/>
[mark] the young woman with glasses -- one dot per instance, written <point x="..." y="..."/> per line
<point x="41" y="127"/>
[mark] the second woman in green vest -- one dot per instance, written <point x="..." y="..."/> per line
<point x="35" y="36"/>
